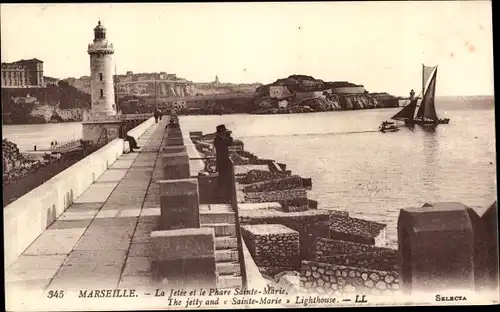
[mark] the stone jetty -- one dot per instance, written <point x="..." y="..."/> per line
<point x="297" y="243"/>
<point x="149" y="220"/>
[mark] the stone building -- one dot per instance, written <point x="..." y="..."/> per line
<point x="23" y="74"/>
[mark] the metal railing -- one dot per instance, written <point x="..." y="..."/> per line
<point x="239" y="238"/>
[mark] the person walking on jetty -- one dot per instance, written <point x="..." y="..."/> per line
<point x="156" y="115"/>
<point x="222" y="142"/>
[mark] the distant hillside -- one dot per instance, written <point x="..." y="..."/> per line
<point x="304" y="83"/>
<point x="18" y="105"/>
<point x="301" y="93"/>
<point x="219" y="88"/>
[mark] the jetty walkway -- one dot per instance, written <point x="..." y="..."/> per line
<point x="101" y="240"/>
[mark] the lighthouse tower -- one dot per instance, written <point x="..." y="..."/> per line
<point x="101" y="74"/>
<point x="102" y="123"/>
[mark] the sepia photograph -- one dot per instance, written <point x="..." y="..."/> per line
<point x="179" y="156"/>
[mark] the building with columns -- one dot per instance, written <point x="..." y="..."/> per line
<point x="23" y="74"/>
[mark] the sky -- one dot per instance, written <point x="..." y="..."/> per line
<point x="381" y="45"/>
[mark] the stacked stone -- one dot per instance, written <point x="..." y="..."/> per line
<point x="387" y="260"/>
<point x="338" y="280"/>
<point x="311" y="225"/>
<point x="290" y="182"/>
<point x="271" y="196"/>
<point x="358" y="230"/>
<point x="331" y="247"/>
<point x="273" y="245"/>
<point x="254" y="176"/>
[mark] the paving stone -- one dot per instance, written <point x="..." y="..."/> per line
<point x="70" y="224"/>
<point x="27" y="268"/>
<point x="112" y="175"/>
<point x="84" y="206"/>
<point x="55" y="242"/>
<point x="139" y="250"/>
<point x="81" y="276"/>
<point x="122" y="164"/>
<point x="97" y="257"/>
<point x="78" y="215"/>
<point x="137" y="266"/>
<point x="97" y="192"/>
<point x="103" y="243"/>
<point x="138" y="282"/>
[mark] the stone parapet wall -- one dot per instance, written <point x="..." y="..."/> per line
<point x="357" y="230"/>
<point x="291" y="182"/>
<point x="335" y="279"/>
<point x="387" y="260"/>
<point x="273" y="245"/>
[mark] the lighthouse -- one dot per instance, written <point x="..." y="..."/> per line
<point x="101" y="74"/>
<point x="102" y="123"/>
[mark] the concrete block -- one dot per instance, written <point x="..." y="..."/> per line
<point x="217" y="217"/>
<point x="228" y="268"/>
<point x="226" y="255"/>
<point x="229" y="281"/>
<point x="436" y="245"/>
<point x="184" y="257"/>
<point x="174" y="141"/>
<point x="175" y="166"/>
<point x="225" y="242"/>
<point x="207" y="186"/>
<point x="174" y="149"/>
<point x="222" y="229"/>
<point x="179" y="204"/>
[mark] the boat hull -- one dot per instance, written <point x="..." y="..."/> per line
<point x="427" y="122"/>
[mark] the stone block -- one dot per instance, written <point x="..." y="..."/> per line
<point x="175" y="166"/>
<point x="174" y="149"/>
<point x="184" y="257"/>
<point x="273" y="245"/>
<point x="436" y="244"/>
<point x="207" y="188"/>
<point x="489" y="236"/>
<point x="179" y="204"/>
<point x="356" y="230"/>
<point x="337" y="279"/>
<point x="174" y="141"/>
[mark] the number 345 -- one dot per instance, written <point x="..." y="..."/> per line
<point x="55" y="294"/>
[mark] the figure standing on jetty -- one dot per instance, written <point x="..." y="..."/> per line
<point x="222" y="142"/>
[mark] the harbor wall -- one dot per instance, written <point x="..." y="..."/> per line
<point x="28" y="216"/>
<point x="140" y="129"/>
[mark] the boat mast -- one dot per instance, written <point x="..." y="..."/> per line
<point x="423" y="90"/>
<point x="156" y="95"/>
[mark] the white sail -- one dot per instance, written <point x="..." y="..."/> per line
<point x="426" y="74"/>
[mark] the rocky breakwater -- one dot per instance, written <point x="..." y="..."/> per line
<point x="300" y="93"/>
<point x="297" y="245"/>
<point x="15" y="164"/>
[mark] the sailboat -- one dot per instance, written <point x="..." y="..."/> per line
<point x="426" y="114"/>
